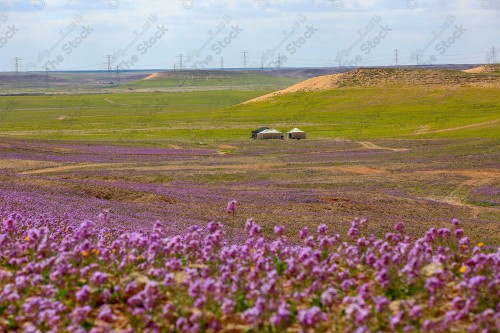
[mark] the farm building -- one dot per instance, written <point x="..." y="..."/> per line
<point x="296" y="134"/>
<point x="270" y="134"/>
<point x="254" y="133"/>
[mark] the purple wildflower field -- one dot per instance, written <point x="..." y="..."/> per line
<point x="98" y="278"/>
<point x="107" y="238"/>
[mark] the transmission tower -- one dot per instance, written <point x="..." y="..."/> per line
<point x="279" y="61"/>
<point x="245" y="59"/>
<point x="109" y="68"/>
<point x="180" y="61"/>
<point x="16" y="61"/>
<point x="221" y="62"/>
<point x="396" y="57"/>
<point x="46" y="76"/>
<point x="493" y="55"/>
<point x="117" y="73"/>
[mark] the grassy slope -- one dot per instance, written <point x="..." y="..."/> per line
<point x="360" y="113"/>
<point x="383" y="113"/>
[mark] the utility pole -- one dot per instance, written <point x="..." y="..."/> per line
<point x="396" y="57"/>
<point x="221" y="62"/>
<point x="180" y="61"/>
<point x="245" y="59"/>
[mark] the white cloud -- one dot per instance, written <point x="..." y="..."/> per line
<point x="117" y="23"/>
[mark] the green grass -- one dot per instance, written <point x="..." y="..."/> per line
<point x="353" y="113"/>
<point x="227" y="80"/>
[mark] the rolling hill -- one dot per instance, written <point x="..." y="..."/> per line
<point x="485" y="76"/>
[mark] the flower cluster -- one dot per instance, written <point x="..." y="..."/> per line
<point x="55" y="277"/>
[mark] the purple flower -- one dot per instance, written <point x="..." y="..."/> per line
<point x="255" y="230"/>
<point x="476" y="282"/>
<point x="106" y="314"/>
<point x="80" y="314"/>
<point x="464" y="241"/>
<point x="328" y="296"/>
<point x="279" y="230"/>
<point x="381" y="303"/>
<point x="433" y="284"/>
<point x="98" y="278"/>
<point x="83" y="294"/>
<point x="228" y="306"/>
<point x="396" y="320"/>
<point x="304" y="233"/>
<point x="281" y="316"/>
<point x="353" y="232"/>
<point x="311" y="317"/>
<point x="416" y="312"/>
<point x="400" y="227"/>
<point x="231" y="207"/>
<point x="322" y="229"/>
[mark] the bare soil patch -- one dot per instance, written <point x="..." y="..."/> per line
<point x="371" y="145"/>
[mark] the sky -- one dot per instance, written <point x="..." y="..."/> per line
<point x="212" y="34"/>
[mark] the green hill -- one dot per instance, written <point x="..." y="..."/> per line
<point x="386" y="109"/>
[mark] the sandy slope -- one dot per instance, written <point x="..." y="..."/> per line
<point x="319" y="83"/>
<point x="152" y="77"/>
<point x="484" y="69"/>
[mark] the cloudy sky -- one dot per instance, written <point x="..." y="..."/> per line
<point x="153" y="34"/>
